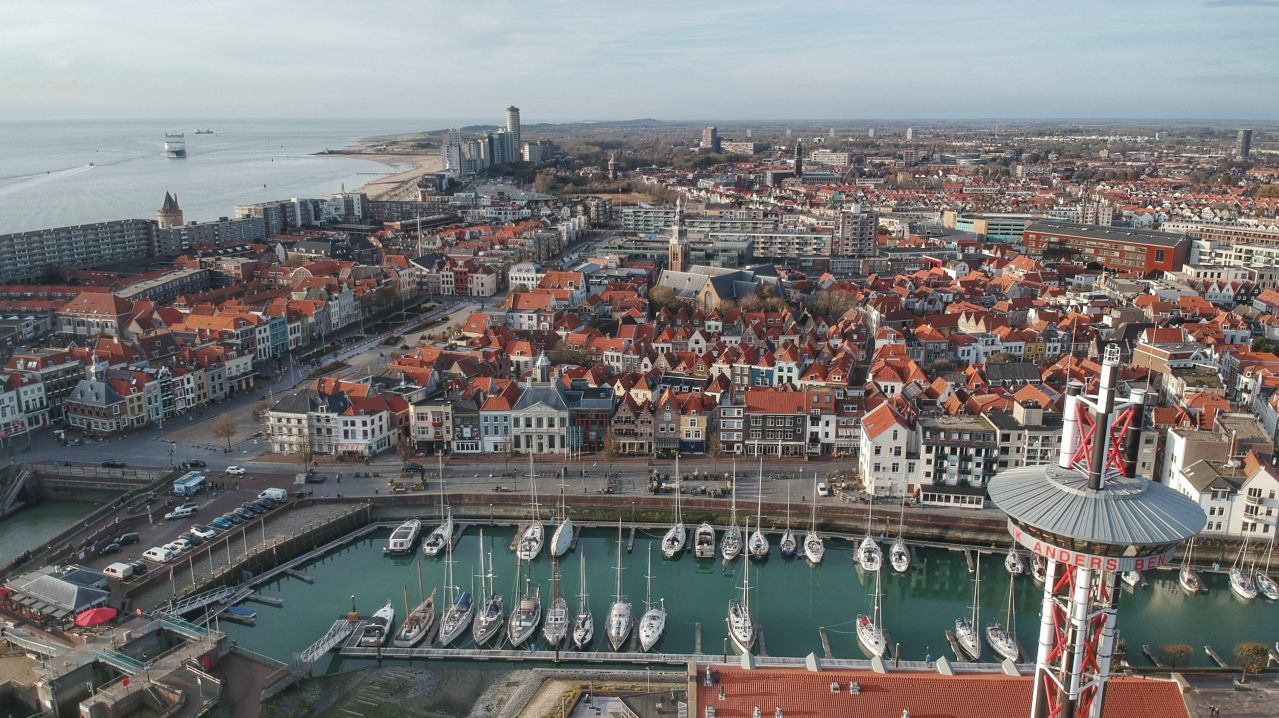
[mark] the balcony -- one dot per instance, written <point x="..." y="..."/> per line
<point x="1253" y="500"/>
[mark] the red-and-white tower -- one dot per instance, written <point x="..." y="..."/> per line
<point x="1091" y="520"/>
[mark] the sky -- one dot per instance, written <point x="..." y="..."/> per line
<point x="672" y="60"/>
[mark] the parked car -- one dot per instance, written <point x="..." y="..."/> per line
<point x="196" y="464"/>
<point x="159" y="554"/>
<point x="236" y="471"/>
<point x="181" y="512"/>
<point x="233" y="517"/>
<point x="139" y="567"/>
<point x="129" y="538"/>
<point x="190" y="538"/>
<point x="203" y="532"/>
<point x="113" y="464"/>
<point x="177" y="547"/>
<point x="268" y="503"/>
<point x="109" y="549"/>
<point x="221" y="523"/>
<point x="243" y="513"/>
<point x="251" y="508"/>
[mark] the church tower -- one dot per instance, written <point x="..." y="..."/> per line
<point x="799" y="159"/>
<point x="677" y="250"/>
<point x="170" y="214"/>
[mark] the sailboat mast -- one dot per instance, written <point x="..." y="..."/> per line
<point x="405" y="586"/>
<point x="977" y="595"/>
<point x="812" y="514"/>
<point x="618" y="594"/>
<point x="734" y="492"/>
<point x="759" y="500"/>
<point x="421" y="587"/>
<point x="746" y="576"/>
<point x="581" y="590"/>
<point x="648" y="581"/>
<point x="678" y="484"/>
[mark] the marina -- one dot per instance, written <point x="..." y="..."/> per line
<point x="808" y="609"/>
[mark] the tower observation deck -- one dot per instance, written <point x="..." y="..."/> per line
<point x="1092" y="520"/>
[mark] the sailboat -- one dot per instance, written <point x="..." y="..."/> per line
<point x="443" y="533"/>
<point x="1131" y="578"/>
<point x="731" y="544"/>
<point x="814" y="546"/>
<point x="619" y="622"/>
<point x="788" y="543"/>
<point x="676" y="536"/>
<point x="418" y="622"/>
<point x="1014" y="564"/>
<point x="562" y="539"/>
<point x="1039" y="569"/>
<point x="1265" y="584"/>
<point x="741" y="629"/>
<point x="584" y="624"/>
<point x="966" y="628"/>
<point x="1188" y="577"/>
<point x="1004" y="639"/>
<point x="870" y="628"/>
<point x="491" y="616"/>
<point x="1241" y="581"/>
<point x="653" y="622"/>
<point x="869" y="555"/>
<point x="757" y="546"/>
<point x="530" y="543"/>
<point x="556" y="626"/>
<point x="458" y="614"/>
<point x="527" y="612"/>
<point x="899" y="553"/>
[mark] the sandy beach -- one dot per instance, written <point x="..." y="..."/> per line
<point x="403" y="184"/>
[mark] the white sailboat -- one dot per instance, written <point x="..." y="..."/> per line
<point x="556" y="626"/>
<point x="1004" y="638"/>
<point x="814" y="546"/>
<point x="1187" y="576"/>
<point x="741" y="628"/>
<point x="562" y="539"/>
<point x="457" y="615"/>
<point x="618" y="626"/>
<point x="584" y="624"/>
<point x="530" y="543"/>
<point x="492" y="615"/>
<point x="1014" y="564"/>
<point x="869" y="555"/>
<point x="899" y="552"/>
<point x="676" y="536"/>
<point x="527" y="612"/>
<point x="443" y="533"/>
<point x="1241" y="581"/>
<point x="965" y="627"/>
<point x="731" y="545"/>
<point x="757" y="545"/>
<point x="788" y="543"/>
<point x="418" y="622"/>
<point x="653" y="622"/>
<point x="1265" y="584"/>
<point x="870" y="628"/>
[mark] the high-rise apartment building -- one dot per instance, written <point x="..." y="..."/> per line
<point x="513" y="126"/>
<point x="1243" y="144"/>
<point x="855" y="233"/>
<point x="26" y="257"/>
<point x="871" y="133"/>
<point x="710" y="138"/>
<point x="910" y="133"/>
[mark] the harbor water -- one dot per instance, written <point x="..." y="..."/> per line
<point x="790" y="600"/>
<point x="34" y="525"/>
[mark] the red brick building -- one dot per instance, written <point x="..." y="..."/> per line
<point x="1117" y="248"/>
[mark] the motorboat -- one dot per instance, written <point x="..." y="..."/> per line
<point x="556" y="626"/>
<point x="562" y="539"/>
<point x="676" y="536"/>
<point x="1187" y="576"/>
<point x="534" y="534"/>
<point x="1039" y="569"/>
<point x="377" y="628"/>
<point x="457" y="614"/>
<point x="704" y="541"/>
<point x="1132" y="579"/>
<point x="653" y="622"/>
<point x="1241" y="579"/>
<point x="403" y="537"/>
<point x="618" y="625"/>
<point x="757" y="544"/>
<point x="787" y="545"/>
<point x="240" y="614"/>
<point x="491" y="615"/>
<point x="1003" y="638"/>
<point x="741" y="628"/>
<point x="731" y="543"/>
<point x="584" y="624"/>
<point x="870" y="627"/>
<point x="869" y="556"/>
<point x="1014" y="564"/>
<point x="966" y="627"/>
<point x="418" y="622"/>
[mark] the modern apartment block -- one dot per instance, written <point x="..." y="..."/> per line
<point x="26" y="257"/>
<point x="1116" y="248"/>
<point x="855" y="233"/>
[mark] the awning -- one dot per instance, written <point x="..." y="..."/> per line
<point x="95" y="616"/>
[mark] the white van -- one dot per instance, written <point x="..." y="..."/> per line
<point x="118" y="571"/>
<point x="181" y="512"/>
<point x="822" y="489"/>
<point x="274" y="494"/>
<point x="158" y="554"/>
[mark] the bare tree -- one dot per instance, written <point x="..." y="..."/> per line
<point x="224" y="428"/>
<point x="1251" y="657"/>
<point x="1175" y="655"/>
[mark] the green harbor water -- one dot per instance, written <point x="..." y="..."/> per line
<point x="789" y="599"/>
<point x="34" y="525"/>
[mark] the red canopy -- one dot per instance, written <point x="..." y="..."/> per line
<point x="94" y="617"/>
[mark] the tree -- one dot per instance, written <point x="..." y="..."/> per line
<point x="260" y="410"/>
<point x="612" y="443"/>
<point x="1000" y="358"/>
<point x="1264" y="344"/>
<point x="568" y="355"/>
<point x="660" y="298"/>
<point x="714" y="447"/>
<point x="1251" y="657"/>
<point x="225" y="428"/>
<point x="404" y="449"/>
<point x="829" y="305"/>
<point x="544" y="181"/>
<point x="1175" y="655"/>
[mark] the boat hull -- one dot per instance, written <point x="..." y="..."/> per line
<point x="1242" y="585"/>
<point x="1002" y="642"/>
<point x="437" y="540"/>
<point x="1266" y="586"/>
<point x="530" y="544"/>
<point x="583" y="631"/>
<point x="870" y="637"/>
<point x="1190" y="581"/>
<point x="869" y="556"/>
<point x="966" y="638"/>
<point x="731" y="545"/>
<point x="787" y="544"/>
<point x="899" y="556"/>
<point x="814" y="549"/>
<point x="741" y="631"/>
<point x="651" y="627"/>
<point x="562" y="539"/>
<point x="619" y="625"/>
<point x="704" y="542"/>
<point x="489" y="623"/>
<point x="674" y="540"/>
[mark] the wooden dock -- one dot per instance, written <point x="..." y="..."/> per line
<point x="299" y="575"/>
<point x="763" y="649"/>
<point x="825" y="643"/>
<point x="972" y="563"/>
<point x="630" y="544"/>
<point x="697" y="638"/>
<point x="1215" y="658"/>
<point x="266" y="600"/>
<point x="1145" y="649"/>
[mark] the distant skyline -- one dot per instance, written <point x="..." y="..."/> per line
<point x="426" y="60"/>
